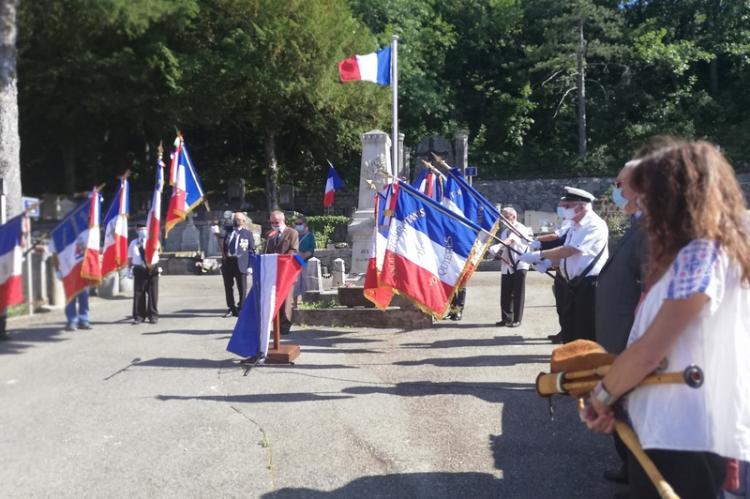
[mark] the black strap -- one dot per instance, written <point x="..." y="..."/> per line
<point x="574" y="282"/>
<point x="142" y="252"/>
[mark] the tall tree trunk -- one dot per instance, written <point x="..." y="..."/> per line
<point x="581" y="84"/>
<point x="69" y="167"/>
<point x="10" y="142"/>
<point x="272" y="171"/>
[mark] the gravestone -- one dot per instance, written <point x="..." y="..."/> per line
<point x="313" y="275"/>
<point x="184" y="236"/>
<point x="438" y="145"/>
<point x="374" y="172"/>
<point x="339" y="273"/>
<point x="235" y="193"/>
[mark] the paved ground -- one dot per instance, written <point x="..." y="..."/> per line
<point x="164" y="411"/>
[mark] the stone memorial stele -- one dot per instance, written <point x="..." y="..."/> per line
<point x="338" y="276"/>
<point x="374" y="173"/>
<point x="313" y="276"/>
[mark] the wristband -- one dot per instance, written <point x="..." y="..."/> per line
<point x="601" y="394"/>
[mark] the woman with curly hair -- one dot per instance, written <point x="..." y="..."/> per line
<point x="696" y="311"/>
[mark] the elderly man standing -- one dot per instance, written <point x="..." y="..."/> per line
<point x="581" y="258"/>
<point x="236" y="247"/>
<point x="283" y="240"/>
<point x="513" y="280"/>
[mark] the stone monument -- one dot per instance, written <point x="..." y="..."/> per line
<point x="374" y="172"/>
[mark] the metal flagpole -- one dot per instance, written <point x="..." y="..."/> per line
<point x="394" y="86"/>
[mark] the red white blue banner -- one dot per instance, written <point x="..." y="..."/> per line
<point x="75" y="244"/>
<point x="115" y="255"/>
<point x="431" y="251"/>
<point x="187" y="190"/>
<point x="11" y="260"/>
<point x="153" y="223"/>
<point x="333" y="182"/>
<point x="273" y="278"/>
<point x="374" y="67"/>
<point x="374" y="290"/>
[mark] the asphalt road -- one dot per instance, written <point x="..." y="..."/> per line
<point x="164" y="411"/>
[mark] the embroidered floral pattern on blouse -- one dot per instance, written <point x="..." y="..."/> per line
<point x="692" y="269"/>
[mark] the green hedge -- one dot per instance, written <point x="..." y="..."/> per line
<point x="323" y="226"/>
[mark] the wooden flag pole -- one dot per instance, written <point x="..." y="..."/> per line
<point x="281" y="353"/>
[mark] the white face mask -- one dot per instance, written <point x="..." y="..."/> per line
<point x="566" y="213"/>
<point x="142" y="234"/>
<point x="280" y="228"/>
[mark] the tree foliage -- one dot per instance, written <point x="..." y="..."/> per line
<point x="102" y="81"/>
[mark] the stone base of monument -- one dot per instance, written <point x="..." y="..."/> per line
<point x="354" y="310"/>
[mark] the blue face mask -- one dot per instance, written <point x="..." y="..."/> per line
<point x="618" y="198"/>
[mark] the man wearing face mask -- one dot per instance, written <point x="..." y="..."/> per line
<point x="620" y="287"/>
<point x="580" y="258"/>
<point x="145" y="278"/>
<point x="283" y="240"/>
<point x="236" y="247"/>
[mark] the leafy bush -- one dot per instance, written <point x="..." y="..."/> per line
<point x="323" y="226"/>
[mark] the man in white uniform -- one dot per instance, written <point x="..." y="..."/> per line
<point x="580" y="258"/>
<point x="145" y="279"/>
<point x="513" y="280"/>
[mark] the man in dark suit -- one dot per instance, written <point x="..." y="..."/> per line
<point x="620" y="287"/>
<point x="283" y="240"/>
<point x="236" y="247"/>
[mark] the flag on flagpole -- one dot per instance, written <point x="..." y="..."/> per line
<point x="430" y="183"/>
<point x="273" y="278"/>
<point x="333" y="182"/>
<point x="116" y="230"/>
<point x="374" y="290"/>
<point x="153" y="223"/>
<point x="91" y="268"/>
<point x="374" y="67"/>
<point x="431" y="251"/>
<point x="187" y="191"/>
<point x="11" y="262"/>
<point x="175" y="158"/>
<point x="77" y="250"/>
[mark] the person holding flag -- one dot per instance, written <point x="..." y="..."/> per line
<point x="333" y="182"/>
<point x="75" y="249"/>
<point x="145" y="278"/>
<point x="116" y="230"/>
<point x="187" y="190"/>
<point x="11" y="269"/>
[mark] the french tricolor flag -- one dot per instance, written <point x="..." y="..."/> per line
<point x="374" y="67"/>
<point x="116" y="231"/>
<point x="75" y="244"/>
<point x="333" y="182"/>
<point x="153" y="224"/>
<point x="273" y="278"/>
<point x="380" y="295"/>
<point x="431" y="251"/>
<point x="11" y="258"/>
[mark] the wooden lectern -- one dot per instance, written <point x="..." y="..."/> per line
<point x="281" y="354"/>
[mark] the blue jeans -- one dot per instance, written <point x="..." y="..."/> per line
<point x="82" y="313"/>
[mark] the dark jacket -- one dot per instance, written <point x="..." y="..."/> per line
<point x="245" y="246"/>
<point x="619" y="289"/>
<point x="286" y="244"/>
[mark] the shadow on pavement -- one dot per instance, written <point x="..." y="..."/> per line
<point x="477" y="361"/>
<point x="403" y="485"/>
<point x="543" y="458"/>
<point x="23" y="339"/>
<point x="179" y="363"/>
<point x="185" y="331"/>
<point x="259" y="397"/>
<point x="480" y="342"/>
<point x="490" y="392"/>
<point x="325" y="338"/>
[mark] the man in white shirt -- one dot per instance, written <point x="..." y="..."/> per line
<point x="581" y="257"/>
<point x="513" y="270"/>
<point x="145" y="279"/>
